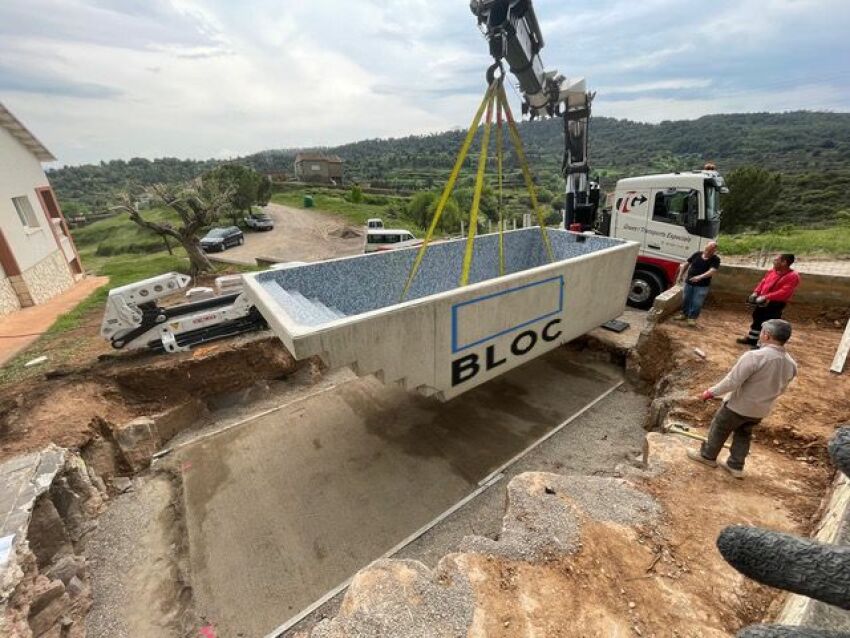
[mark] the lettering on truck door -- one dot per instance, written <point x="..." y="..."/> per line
<point x="666" y="235"/>
<point x="631" y="208"/>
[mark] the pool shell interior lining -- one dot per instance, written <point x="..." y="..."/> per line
<point x="360" y="284"/>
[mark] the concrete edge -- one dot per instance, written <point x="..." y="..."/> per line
<point x="836" y="517"/>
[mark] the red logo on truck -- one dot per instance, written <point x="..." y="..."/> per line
<point x="633" y="199"/>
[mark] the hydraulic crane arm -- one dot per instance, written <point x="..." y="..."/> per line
<point x="513" y="32"/>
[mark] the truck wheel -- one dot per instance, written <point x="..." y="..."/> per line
<point x="646" y="286"/>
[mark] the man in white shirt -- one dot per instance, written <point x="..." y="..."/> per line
<point x="752" y="386"/>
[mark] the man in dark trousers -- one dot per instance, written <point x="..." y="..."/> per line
<point x="752" y="386"/>
<point x="696" y="274"/>
<point x="771" y="296"/>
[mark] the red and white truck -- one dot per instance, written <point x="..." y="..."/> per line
<point x="671" y="216"/>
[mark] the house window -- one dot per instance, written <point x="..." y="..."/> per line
<point x="315" y="167"/>
<point x="25" y="212"/>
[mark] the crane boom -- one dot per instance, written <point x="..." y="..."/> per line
<point x="514" y="35"/>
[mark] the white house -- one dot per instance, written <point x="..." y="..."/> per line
<point x="38" y="259"/>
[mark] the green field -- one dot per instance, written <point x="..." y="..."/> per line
<point x="814" y="242"/>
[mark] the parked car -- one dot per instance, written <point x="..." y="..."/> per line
<point x="220" y="239"/>
<point x="389" y="240"/>
<point x="259" y="221"/>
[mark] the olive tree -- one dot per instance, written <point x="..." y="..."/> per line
<point x="197" y="206"/>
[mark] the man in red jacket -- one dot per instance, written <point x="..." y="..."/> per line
<point x="771" y="295"/>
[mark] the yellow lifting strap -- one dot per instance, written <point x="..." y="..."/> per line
<point x="476" y="196"/>
<point x="447" y="191"/>
<point x="499" y="162"/>
<point x="526" y="172"/>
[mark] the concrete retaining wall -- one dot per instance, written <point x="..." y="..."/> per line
<point x="735" y="283"/>
<point x="834" y="528"/>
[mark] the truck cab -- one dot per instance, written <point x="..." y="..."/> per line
<point x="671" y="216"/>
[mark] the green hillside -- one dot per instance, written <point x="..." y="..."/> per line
<point x="811" y="151"/>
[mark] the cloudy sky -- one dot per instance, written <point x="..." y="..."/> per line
<point x="104" y="79"/>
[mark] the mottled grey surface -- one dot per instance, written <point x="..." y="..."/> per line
<point x="360" y="284"/>
<point x="544" y="514"/>
<point x="22" y="480"/>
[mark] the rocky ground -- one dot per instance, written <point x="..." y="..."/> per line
<point x="615" y="550"/>
<point x="635" y="555"/>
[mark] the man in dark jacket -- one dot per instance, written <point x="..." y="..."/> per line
<point x="771" y="296"/>
<point x="696" y="274"/>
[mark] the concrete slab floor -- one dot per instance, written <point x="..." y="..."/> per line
<point x="284" y="508"/>
<point x="629" y="337"/>
<point x="594" y="444"/>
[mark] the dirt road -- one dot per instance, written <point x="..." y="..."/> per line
<point x="298" y="235"/>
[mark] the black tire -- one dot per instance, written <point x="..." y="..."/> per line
<point x="240" y="241"/>
<point x="646" y="286"/>
<point x="798" y="565"/>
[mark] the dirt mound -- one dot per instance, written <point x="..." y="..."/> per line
<point x="592" y="556"/>
<point x="70" y="409"/>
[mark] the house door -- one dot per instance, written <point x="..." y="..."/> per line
<point x="60" y="228"/>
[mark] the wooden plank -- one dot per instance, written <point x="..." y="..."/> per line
<point x="843" y="350"/>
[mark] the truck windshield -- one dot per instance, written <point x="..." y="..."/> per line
<point x="712" y="203"/>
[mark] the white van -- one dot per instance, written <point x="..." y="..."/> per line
<point x="375" y="222"/>
<point x="384" y="239"/>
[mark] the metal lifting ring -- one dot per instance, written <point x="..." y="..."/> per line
<point x="491" y="72"/>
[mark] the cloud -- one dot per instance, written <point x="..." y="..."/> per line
<point x="189" y="78"/>
<point x="13" y="80"/>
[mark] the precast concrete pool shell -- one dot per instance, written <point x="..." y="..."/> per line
<point x="445" y="339"/>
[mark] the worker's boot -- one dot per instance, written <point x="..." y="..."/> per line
<point x="696" y="455"/>
<point x="738" y="474"/>
<point x="680" y="317"/>
<point x="692" y="323"/>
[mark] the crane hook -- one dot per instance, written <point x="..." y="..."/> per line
<point x="491" y="72"/>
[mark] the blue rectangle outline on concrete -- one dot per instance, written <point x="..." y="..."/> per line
<point x="455" y="307"/>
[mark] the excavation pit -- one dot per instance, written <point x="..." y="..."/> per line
<point x="286" y="507"/>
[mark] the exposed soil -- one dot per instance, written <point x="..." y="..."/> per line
<point x="663" y="579"/>
<point x="70" y="406"/>
<point x="660" y="579"/>
<point x="802" y="420"/>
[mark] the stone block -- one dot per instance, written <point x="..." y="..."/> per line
<point x="45" y="591"/>
<point x="138" y="441"/>
<point x="67" y="568"/>
<point x="666" y="304"/>
<point x="178" y="418"/>
<point x="100" y="455"/>
<point x="44" y="620"/>
<point x="48" y="537"/>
